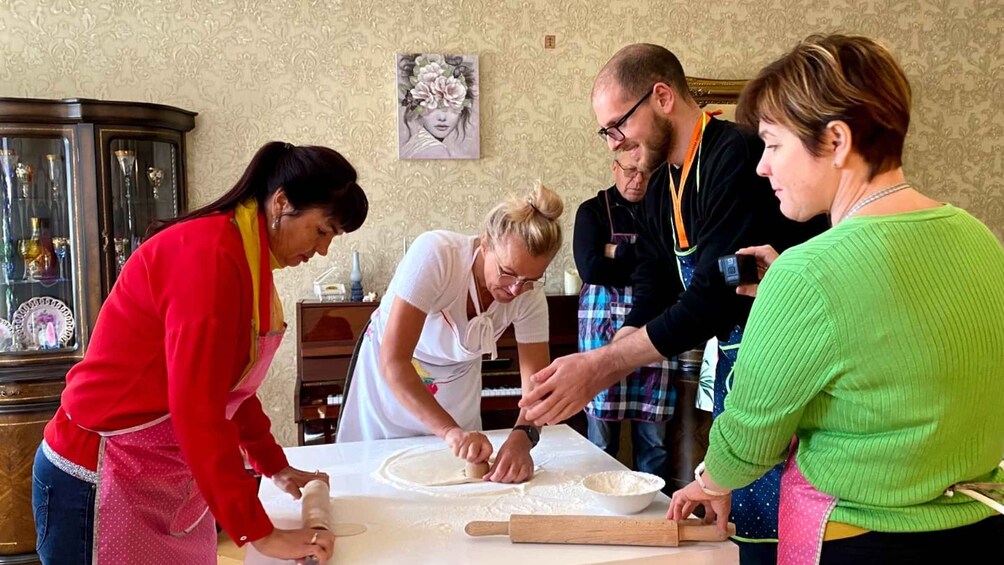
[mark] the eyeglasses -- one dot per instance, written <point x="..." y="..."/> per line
<point x="614" y="132"/>
<point x="508" y="280"/>
<point x="629" y="172"/>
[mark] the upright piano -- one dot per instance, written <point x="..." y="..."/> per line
<point x="326" y="334"/>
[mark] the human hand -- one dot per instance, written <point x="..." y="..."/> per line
<point x="297" y="544"/>
<point x="513" y="464"/>
<point x="765" y="255"/>
<point x="292" y="480"/>
<point x="562" y="389"/>
<point x="716" y="508"/>
<point x="472" y="447"/>
<point x="610" y="250"/>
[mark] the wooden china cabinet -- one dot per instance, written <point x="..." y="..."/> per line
<point x="80" y="182"/>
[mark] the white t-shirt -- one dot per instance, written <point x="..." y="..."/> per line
<point x="435" y="276"/>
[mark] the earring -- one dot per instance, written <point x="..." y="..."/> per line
<point x="836" y="165"/>
<point x="275" y="223"/>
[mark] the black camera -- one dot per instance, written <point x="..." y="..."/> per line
<point x="738" y="269"/>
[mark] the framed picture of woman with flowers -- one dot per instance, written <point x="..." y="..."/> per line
<point x="438" y="115"/>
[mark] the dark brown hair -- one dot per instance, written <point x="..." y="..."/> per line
<point x="311" y="176"/>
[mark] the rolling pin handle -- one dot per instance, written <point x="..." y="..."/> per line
<point x="487" y="528"/>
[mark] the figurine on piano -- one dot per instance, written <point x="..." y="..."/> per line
<point x="418" y="371"/>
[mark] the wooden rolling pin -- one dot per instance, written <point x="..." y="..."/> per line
<point x="599" y="530"/>
<point x="316" y="510"/>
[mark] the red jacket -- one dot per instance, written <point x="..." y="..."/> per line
<point x="174" y="336"/>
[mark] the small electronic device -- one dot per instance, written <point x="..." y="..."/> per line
<point x="738" y="269"/>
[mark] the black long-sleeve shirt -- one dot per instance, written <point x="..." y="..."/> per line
<point x="593" y="233"/>
<point x="733" y="208"/>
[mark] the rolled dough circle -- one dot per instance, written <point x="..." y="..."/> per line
<point x="345" y="530"/>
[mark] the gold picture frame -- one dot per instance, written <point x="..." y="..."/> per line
<point x="717" y="94"/>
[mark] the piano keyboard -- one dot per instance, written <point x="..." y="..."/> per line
<point x="336" y="399"/>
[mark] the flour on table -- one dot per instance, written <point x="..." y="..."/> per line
<point x="622" y="483"/>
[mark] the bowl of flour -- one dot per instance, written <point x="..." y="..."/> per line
<point x="623" y="492"/>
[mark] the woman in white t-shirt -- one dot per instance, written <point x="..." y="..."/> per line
<point x="419" y="365"/>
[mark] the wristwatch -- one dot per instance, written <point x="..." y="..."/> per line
<point x="531" y="432"/>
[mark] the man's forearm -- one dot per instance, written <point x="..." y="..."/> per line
<point x="627" y="354"/>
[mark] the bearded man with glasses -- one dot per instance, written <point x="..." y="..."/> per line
<point x="704" y="201"/>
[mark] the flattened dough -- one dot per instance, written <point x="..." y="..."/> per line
<point x="345" y="530"/>
<point x="426" y="468"/>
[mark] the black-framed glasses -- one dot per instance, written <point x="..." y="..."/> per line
<point x="507" y="280"/>
<point x="614" y="132"/>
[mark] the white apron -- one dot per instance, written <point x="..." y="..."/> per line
<point x="447" y="359"/>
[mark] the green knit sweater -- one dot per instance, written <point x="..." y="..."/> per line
<point x="880" y="344"/>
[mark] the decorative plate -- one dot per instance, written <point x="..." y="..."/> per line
<point x="35" y="314"/>
<point x="6" y="336"/>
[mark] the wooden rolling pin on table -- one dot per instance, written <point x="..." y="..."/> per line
<point x="316" y="511"/>
<point x="601" y="530"/>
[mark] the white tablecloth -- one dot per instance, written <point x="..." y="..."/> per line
<point x="413" y="528"/>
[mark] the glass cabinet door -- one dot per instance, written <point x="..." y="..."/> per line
<point x="37" y="299"/>
<point x="144" y="186"/>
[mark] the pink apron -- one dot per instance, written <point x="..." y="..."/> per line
<point x="149" y="509"/>
<point x="802" y="516"/>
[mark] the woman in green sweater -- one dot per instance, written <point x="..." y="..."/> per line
<point x="878" y="345"/>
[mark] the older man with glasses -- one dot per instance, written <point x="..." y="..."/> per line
<point x="704" y="201"/>
<point x="606" y="228"/>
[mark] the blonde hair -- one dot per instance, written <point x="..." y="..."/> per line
<point x="835" y="77"/>
<point x="532" y="219"/>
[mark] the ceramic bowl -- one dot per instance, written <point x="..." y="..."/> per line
<point x="623" y="492"/>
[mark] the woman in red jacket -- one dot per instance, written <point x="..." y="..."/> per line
<point x="153" y="423"/>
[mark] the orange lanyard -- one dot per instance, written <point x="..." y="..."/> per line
<point x="677" y="193"/>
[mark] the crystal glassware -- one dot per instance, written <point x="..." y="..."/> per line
<point x="62" y="246"/>
<point x="127" y="161"/>
<point x="30" y="250"/>
<point x="121" y="253"/>
<point x="156" y="176"/>
<point x="8" y="162"/>
<point x="25" y="173"/>
<point x="52" y="171"/>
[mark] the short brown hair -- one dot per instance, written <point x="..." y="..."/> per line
<point x="637" y="67"/>
<point x="835" y="77"/>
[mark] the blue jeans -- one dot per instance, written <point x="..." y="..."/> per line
<point x="647" y="443"/>
<point x="63" y="506"/>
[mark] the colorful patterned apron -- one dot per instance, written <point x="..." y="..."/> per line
<point x="804" y="512"/>
<point x="754" y="508"/>
<point x="148" y="508"/>
<point x="646" y="394"/>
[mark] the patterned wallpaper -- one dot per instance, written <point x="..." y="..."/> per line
<point x="315" y="71"/>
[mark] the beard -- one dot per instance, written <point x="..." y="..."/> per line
<point x="655" y="150"/>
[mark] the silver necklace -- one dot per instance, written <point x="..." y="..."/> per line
<point x="880" y="194"/>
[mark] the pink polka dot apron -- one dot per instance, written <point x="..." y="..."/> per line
<point x="802" y="516"/>
<point x="148" y="507"/>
